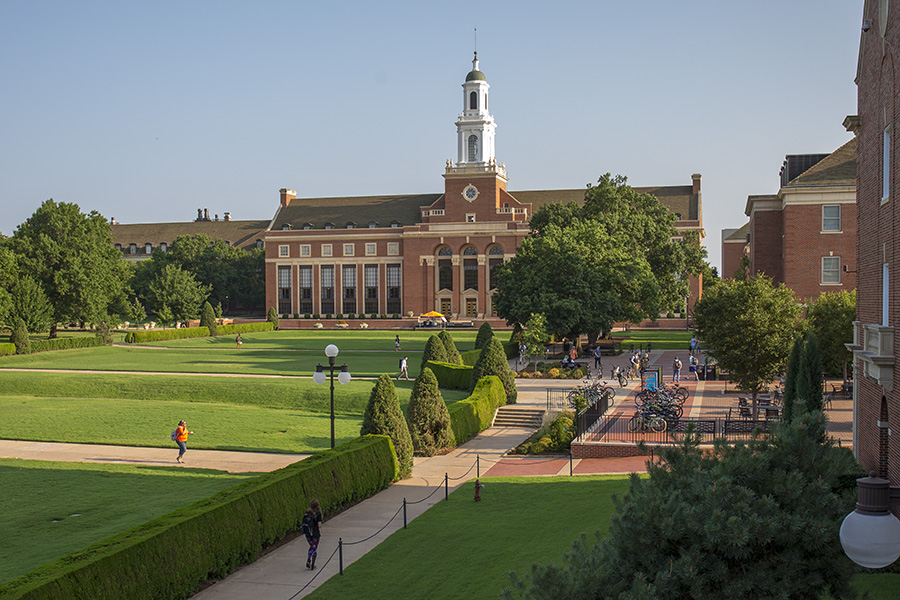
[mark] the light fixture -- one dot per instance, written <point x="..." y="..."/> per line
<point x="319" y="375"/>
<point x="331" y="351"/>
<point x="344" y="375"/>
<point x="870" y="535"/>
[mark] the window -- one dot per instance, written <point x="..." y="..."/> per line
<point x="370" y="249"/>
<point x="473" y="101"/>
<point x="470" y="273"/>
<point x="305" y="250"/>
<point x="165" y="247"/>
<point x="284" y="251"/>
<point x="329" y="225"/>
<point x="831" y="270"/>
<point x="326" y="279"/>
<point x="831" y="218"/>
<point x="470" y="218"/>
<point x="284" y="290"/>
<point x="348" y="249"/>
<point x="148" y="248"/>
<point x="493" y="263"/>
<point x="393" y="248"/>
<point x="351" y="225"/>
<point x="307" y="226"/>
<point x="496" y="251"/>
<point x="132" y="248"/>
<point x="470" y="251"/>
<point x="370" y="280"/>
<point x="326" y="249"/>
<point x="886" y="165"/>
<point x="305" y="289"/>
<point x="393" y="289"/>
<point x="348" y="282"/>
<point x="259" y="245"/>
<point x="473" y="148"/>
<point x="373" y="224"/>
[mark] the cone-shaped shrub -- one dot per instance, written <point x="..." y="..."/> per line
<point x="452" y="353"/>
<point x="484" y="334"/>
<point x="427" y="416"/>
<point x="789" y="402"/>
<point x="272" y="317"/>
<point x="492" y="361"/>
<point x="384" y="417"/>
<point x="19" y="337"/>
<point x="208" y="319"/>
<point x="434" y="350"/>
<point x="809" y="376"/>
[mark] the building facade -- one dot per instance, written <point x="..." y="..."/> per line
<point x="401" y="254"/>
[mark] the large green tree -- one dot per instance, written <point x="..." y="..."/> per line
<point x="831" y="318"/>
<point x="748" y="327"/>
<point x="71" y="255"/>
<point x="175" y="295"/>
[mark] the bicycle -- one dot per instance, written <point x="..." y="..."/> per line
<point x="619" y="375"/>
<point x="646" y="420"/>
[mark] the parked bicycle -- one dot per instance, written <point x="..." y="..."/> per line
<point x="619" y="375"/>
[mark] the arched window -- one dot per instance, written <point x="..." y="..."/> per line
<point x="495" y="250"/>
<point x="445" y="268"/>
<point x="473" y="148"/>
<point x="470" y="251"/>
<point x="473" y="101"/>
<point x="165" y="247"/>
<point x="259" y="244"/>
<point x="445" y="251"/>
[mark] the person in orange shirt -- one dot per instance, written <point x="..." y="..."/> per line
<point x="181" y="436"/>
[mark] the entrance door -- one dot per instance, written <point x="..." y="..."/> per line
<point x="445" y="307"/>
<point x="471" y="307"/>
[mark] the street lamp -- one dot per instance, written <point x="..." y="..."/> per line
<point x="870" y="534"/>
<point x="331" y="351"/>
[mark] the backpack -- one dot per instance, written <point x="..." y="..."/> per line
<point x="677" y="363"/>
<point x="175" y="436"/>
<point x="307" y="525"/>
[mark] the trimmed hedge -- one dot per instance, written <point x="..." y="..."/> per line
<point x="7" y="349"/>
<point x="65" y="343"/>
<point x="474" y="414"/>
<point x="245" y="328"/>
<point x="451" y="376"/>
<point x="158" y="335"/>
<point x="471" y="357"/>
<point x="170" y="557"/>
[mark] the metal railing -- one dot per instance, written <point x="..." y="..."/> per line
<point x="614" y="428"/>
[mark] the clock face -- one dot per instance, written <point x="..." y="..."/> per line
<point x="470" y="192"/>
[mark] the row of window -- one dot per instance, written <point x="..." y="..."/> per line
<point x="371" y="249"/>
<point x="470" y="251"/>
<point x="348" y="225"/>
<point x="350" y="292"/>
<point x="148" y="247"/>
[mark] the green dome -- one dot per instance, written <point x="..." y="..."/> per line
<point x="475" y="75"/>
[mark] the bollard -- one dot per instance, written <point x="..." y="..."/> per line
<point x="341" y="555"/>
<point x="477" y="491"/>
<point x="477" y="465"/>
<point x="570" y="463"/>
<point x="404" y="513"/>
<point x="446" y="487"/>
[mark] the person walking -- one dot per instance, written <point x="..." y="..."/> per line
<point x="676" y="370"/>
<point x="238" y="341"/>
<point x="397" y="343"/>
<point x="694" y="344"/>
<point x="404" y="368"/>
<point x="598" y="362"/>
<point x="310" y="526"/>
<point x="181" y="436"/>
<point x="693" y="368"/>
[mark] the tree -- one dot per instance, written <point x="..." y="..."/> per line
<point x="427" y="416"/>
<point x="208" y="319"/>
<point x="272" y="317"/>
<point x="518" y="334"/>
<point x="485" y="332"/>
<point x="748" y="326"/>
<point x="176" y="295"/>
<point x="492" y="361"/>
<point x="29" y="302"/>
<point x="535" y="336"/>
<point x="136" y="312"/>
<point x="452" y="353"/>
<point x="434" y="350"/>
<point x="8" y="274"/>
<point x="19" y="337"/>
<point x="384" y="417"/>
<point x="809" y="375"/>
<point x="831" y="318"/>
<point x="752" y="520"/>
<point x="789" y="402"/>
<point x="71" y="256"/>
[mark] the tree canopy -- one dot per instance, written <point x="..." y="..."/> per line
<point x="175" y="295"/>
<point x="831" y="318"/>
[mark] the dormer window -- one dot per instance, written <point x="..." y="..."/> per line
<point x="307" y="226"/>
<point x="286" y="227"/>
<point x="395" y="223"/>
<point x="132" y="248"/>
<point x="351" y="225"/>
<point x="372" y="224"/>
<point x="259" y="244"/>
<point x="164" y="246"/>
<point x="329" y="225"/>
<point x="148" y="248"/>
<point x="118" y="246"/>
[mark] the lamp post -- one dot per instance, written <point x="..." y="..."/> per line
<point x="331" y="351"/>
<point x="870" y="535"/>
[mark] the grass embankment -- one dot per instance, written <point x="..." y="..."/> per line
<point x="660" y="339"/>
<point x="52" y="509"/>
<point x="227" y="413"/>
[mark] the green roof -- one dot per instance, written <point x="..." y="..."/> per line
<point x="476" y="76"/>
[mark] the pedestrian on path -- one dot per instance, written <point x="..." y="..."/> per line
<point x="397" y="343"/>
<point x="598" y="363"/>
<point x="676" y="370"/>
<point x="693" y="368"/>
<point x="238" y="341"/>
<point x="404" y="368"/>
<point x="181" y="436"/>
<point x="310" y="527"/>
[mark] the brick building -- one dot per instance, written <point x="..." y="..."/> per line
<point x="735" y="246"/>
<point x="805" y="235"/>
<point x="397" y="254"/>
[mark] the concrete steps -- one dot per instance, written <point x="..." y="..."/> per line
<point x="515" y="416"/>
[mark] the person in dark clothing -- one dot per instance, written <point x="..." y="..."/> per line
<point x="310" y="527"/>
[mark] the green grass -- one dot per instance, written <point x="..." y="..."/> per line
<point x="464" y="549"/>
<point x="52" y="509"/>
<point x="660" y="339"/>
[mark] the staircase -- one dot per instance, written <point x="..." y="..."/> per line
<point x="514" y="416"/>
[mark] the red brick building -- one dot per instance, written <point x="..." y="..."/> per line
<point x="735" y="246"/>
<point x="400" y="254"/>
<point x="805" y="235"/>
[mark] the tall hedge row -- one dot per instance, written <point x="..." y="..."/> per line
<point x="245" y="328"/>
<point x="470" y="357"/>
<point x="65" y="343"/>
<point x="451" y="376"/>
<point x="7" y="349"/>
<point x="158" y="335"/>
<point x="170" y="557"/>
<point x="474" y="414"/>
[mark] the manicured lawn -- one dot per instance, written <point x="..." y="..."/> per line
<point x="316" y="340"/>
<point x="660" y="339"/>
<point x="52" y="509"/>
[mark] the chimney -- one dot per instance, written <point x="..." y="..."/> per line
<point x="217" y="216"/>
<point x="112" y="221"/>
<point x="199" y="214"/>
<point x="228" y="216"/>
<point x="696" y="177"/>
<point x="206" y="214"/>
<point x="286" y="196"/>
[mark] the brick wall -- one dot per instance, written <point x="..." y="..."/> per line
<point x="766" y="244"/>
<point x="805" y="244"/>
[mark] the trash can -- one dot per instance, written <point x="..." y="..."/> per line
<point x="710" y="372"/>
<point x="701" y="372"/>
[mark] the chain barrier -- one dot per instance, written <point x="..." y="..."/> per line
<point x="308" y="583"/>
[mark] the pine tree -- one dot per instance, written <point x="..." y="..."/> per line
<point x="208" y="319"/>
<point x="272" y="317"/>
<point x="809" y="380"/>
<point x="384" y="417"/>
<point x="434" y="350"/>
<point x="427" y="416"/>
<point x="19" y="337"/>
<point x="790" y="381"/>
<point x="492" y="361"/>
<point x="452" y="353"/>
<point x="484" y="334"/>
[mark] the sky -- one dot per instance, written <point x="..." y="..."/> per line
<point x="147" y="111"/>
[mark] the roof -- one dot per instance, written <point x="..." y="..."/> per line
<point x="680" y="199"/>
<point x="242" y="234"/>
<point x="405" y="209"/>
<point x="839" y="167"/>
<point x="475" y="75"/>
<point x="738" y="235"/>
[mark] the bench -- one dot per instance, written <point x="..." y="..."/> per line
<point x="611" y="347"/>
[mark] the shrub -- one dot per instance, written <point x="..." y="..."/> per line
<point x="316" y="316"/>
<point x="396" y="316"/>
<point x="327" y="315"/>
<point x="65" y="344"/>
<point x="181" y="333"/>
<point x="218" y="310"/>
<point x="306" y="315"/>
<point x="474" y="414"/>
<point x="208" y="319"/>
<point x="104" y="334"/>
<point x="244" y="328"/>
<point x="7" y="349"/>
<point x="383" y="316"/>
<point x="450" y="347"/>
<point x="427" y="416"/>
<point x="272" y="317"/>
<point x="19" y="337"/>
<point x="384" y="417"/>
<point x="434" y="350"/>
<point x="493" y="361"/>
<point x="485" y="333"/>
<point x="339" y="316"/>
<point x="296" y="315"/>
<point x="450" y="376"/>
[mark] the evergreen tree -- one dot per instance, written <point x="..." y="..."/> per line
<point x="384" y="417"/>
<point x="452" y="353"/>
<point x="272" y="317"/>
<point x="434" y="350"/>
<point x="19" y="337"/>
<point x="790" y="381"/>
<point x="492" y="361"/>
<point x="427" y="416"/>
<point x="484" y="334"/>
<point x="218" y="309"/>
<point x="208" y="319"/>
<point x="809" y="375"/>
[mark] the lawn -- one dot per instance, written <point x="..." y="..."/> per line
<point x="661" y="339"/>
<point x="53" y="509"/>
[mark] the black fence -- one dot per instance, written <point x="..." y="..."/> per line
<point x="615" y="428"/>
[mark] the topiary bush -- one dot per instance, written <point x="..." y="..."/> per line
<point x="208" y="319"/>
<point x="473" y="415"/>
<point x="434" y="350"/>
<point x="272" y="317"/>
<point x="492" y="361"/>
<point x="452" y="353"/>
<point x="20" y="338"/>
<point x="427" y="416"/>
<point x="485" y="333"/>
<point x="384" y="417"/>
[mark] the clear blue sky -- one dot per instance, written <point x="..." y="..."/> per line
<point x="147" y="111"/>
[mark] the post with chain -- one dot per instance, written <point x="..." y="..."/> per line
<point x="446" y="487"/>
<point x="404" y="513"/>
<point x="570" y="462"/>
<point x="478" y="465"/>
<point x="341" y="555"/>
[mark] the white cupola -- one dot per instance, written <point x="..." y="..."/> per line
<point x="475" y="126"/>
